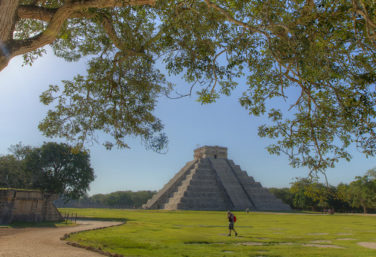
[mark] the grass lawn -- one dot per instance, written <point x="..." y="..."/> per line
<point x="201" y="233"/>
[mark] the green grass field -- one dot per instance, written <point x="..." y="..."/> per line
<point x="199" y="233"/>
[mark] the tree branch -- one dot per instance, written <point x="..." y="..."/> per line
<point x="7" y="18"/>
<point x="110" y="30"/>
<point x="56" y="21"/>
<point x="361" y="10"/>
<point x="36" y="12"/>
<point x="232" y="19"/>
<point x="214" y="70"/>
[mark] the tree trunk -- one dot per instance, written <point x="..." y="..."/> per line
<point x="55" y="17"/>
<point x="8" y="10"/>
<point x="364" y="209"/>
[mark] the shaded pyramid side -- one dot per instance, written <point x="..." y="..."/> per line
<point x="162" y="196"/>
<point x="232" y="184"/>
<point x="261" y="198"/>
<point x="200" y="190"/>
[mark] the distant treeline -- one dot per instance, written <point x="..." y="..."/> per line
<point x="309" y="194"/>
<point x="119" y="199"/>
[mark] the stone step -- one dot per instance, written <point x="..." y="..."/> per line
<point x="201" y="188"/>
<point x="200" y="202"/>
<point x="159" y="199"/>
<point x="230" y="182"/>
<point x="179" y="193"/>
<point x="204" y="194"/>
<point x="203" y="183"/>
<point x="199" y="205"/>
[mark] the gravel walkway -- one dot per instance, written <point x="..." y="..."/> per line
<point x="45" y="242"/>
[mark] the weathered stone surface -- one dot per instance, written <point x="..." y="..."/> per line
<point x="210" y="152"/>
<point x="30" y="206"/>
<point x="212" y="182"/>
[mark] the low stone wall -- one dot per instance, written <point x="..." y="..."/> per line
<point x="29" y="206"/>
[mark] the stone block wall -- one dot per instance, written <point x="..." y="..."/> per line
<point x="210" y="152"/>
<point x="28" y="206"/>
<point x="201" y="190"/>
<point x="230" y="182"/>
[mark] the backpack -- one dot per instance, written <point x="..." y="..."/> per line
<point x="234" y="218"/>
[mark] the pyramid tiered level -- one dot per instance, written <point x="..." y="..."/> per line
<point x="212" y="182"/>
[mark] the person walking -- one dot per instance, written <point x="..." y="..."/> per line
<point x="231" y="220"/>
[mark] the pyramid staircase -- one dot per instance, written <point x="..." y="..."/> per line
<point x="200" y="190"/>
<point x="162" y="197"/>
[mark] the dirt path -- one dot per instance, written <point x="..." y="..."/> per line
<point x="45" y="242"/>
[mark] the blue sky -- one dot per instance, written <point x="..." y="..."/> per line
<point x="188" y="125"/>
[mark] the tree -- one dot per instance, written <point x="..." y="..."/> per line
<point x="12" y="174"/>
<point x="56" y="169"/>
<point x="322" y="50"/>
<point x="301" y="199"/>
<point x="344" y="196"/>
<point x="119" y="199"/>
<point x="284" y="194"/>
<point x="362" y="191"/>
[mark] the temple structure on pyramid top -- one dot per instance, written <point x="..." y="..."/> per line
<point x="213" y="182"/>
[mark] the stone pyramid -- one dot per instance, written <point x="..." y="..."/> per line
<point x="212" y="182"/>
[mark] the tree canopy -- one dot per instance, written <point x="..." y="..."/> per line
<point x="119" y="199"/>
<point x="361" y="192"/>
<point x="53" y="168"/>
<point x="316" y="55"/>
<point x="309" y="194"/>
<point x="12" y="173"/>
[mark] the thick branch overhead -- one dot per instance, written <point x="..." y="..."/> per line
<point x="55" y="18"/>
<point x="318" y="57"/>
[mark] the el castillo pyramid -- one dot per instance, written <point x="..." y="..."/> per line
<point x="213" y="182"/>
